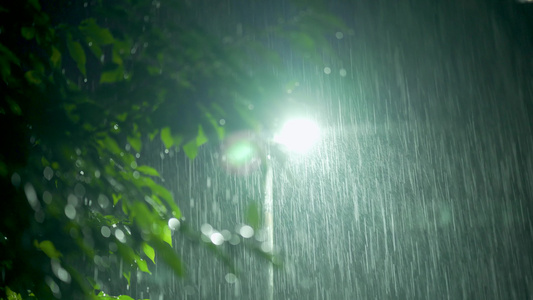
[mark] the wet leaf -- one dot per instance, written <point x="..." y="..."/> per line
<point x="141" y="263"/>
<point x="48" y="248"/>
<point x="77" y="53"/>
<point x="253" y="215"/>
<point x="149" y="251"/>
<point x="148" y="171"/>
<point x="96" y="34"/>
<point x="166" y="137"/>
<point x="127" y="275"/>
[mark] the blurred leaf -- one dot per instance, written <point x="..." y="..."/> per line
<point x="253" y="215"/>
<point x="166" y="137"/>
<point x="125" y="297"/>
<point x="32" y="77"/>
<point x="148" y="171"/>
<point x="6" y="54"/>
<point x="201" y="138"/>
<point x="112" y="76"/>
<point x="169" y="256"/>
<point x="149" y="251"/>
<point x="77" y="53"/>
<point x="48" y="248"/>
<point x="127" y="276"/>
<point x="55" y="58"/>
<point x="96" y="34"/>
<point x="28" y="32"/>
<point x="191" y="149"/>
<point x="135" y="142"/>
<point x="12" y="295"/>
<point x="35" y="4"/>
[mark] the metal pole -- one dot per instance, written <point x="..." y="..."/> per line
<point x="269" y="225"/>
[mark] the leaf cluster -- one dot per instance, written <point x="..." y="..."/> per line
<point x="86" y="85"/>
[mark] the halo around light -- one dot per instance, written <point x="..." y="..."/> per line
<point x="298" y="135"/>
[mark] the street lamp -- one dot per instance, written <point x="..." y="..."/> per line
<point x="297" y="136"/>
<point x="242" y="155"/>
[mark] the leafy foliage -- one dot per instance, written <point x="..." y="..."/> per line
<point x="83" y="89"/>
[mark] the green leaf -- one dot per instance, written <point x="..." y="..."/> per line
<point x="56" y="57"/>
<point x="169" y="256"/>
<point x="48" y="248"/>
<point x="166" y="137"/>
<point x="125" y="297"/>
<point x="127" y="276"/>
<point x="253" y="215"/>
<point x="96" y="34"/>
<point x="32" y="77"/>
<point x="12" y="295"/>
<point x="141" y="263"/>
<point x="167" y="235"/>
<point x="28" y="32"/>
<point x="148" y="171"/>
<point x="35" y="4"/>
<point x="201" y="138"/>
<point x="112" y="76"/>
<point x="149" y="251"/>
<point x="191" y="149"/>
<point x="116" y="198"/>
<point x="135" y="142"/>
<point x="76" y="52"/>
<point x="6" y="54"/>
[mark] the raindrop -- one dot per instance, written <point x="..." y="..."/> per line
<point x="327" y="70"/>
<point x="97" y="174"/>
<point x="15" y="179"/>
<point x="32" y="197"/>
<point x="133" y="165"/>
<point x="235" y="240"/>
<point x="115" y="126"/>
<point x="72" y="200"/>
<point x="174" y="224"/>
<point x="342" y="72"/>
<point x="105" y="231"/>
<point x="222" y="122"/>
<point x="48" y="173"/>
<point x="217" y="238"/>
<point x="136" y="174"/>
<point x="206" y="229"/>
<point x="339" y="35"/>
<point x="103" y="201"/>
<point x="246" y="231"/>
<point x="70" y="211"/>
<point x="231" y="278"/>
<point x="119" y="234"/>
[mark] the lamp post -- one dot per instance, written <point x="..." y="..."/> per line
<point x="297" y="136"/>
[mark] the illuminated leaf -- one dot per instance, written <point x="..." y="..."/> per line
<point x="149" y="251"/>
<point x="48" y="248"/>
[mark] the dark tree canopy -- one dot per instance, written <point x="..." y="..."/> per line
<point x="84" y="86"/>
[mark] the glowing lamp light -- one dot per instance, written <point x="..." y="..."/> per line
<point x="298" y="135"/>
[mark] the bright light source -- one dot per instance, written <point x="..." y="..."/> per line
<point x="298" y="135"/>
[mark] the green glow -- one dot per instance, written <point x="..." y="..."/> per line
<point x="240" y="153"/>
